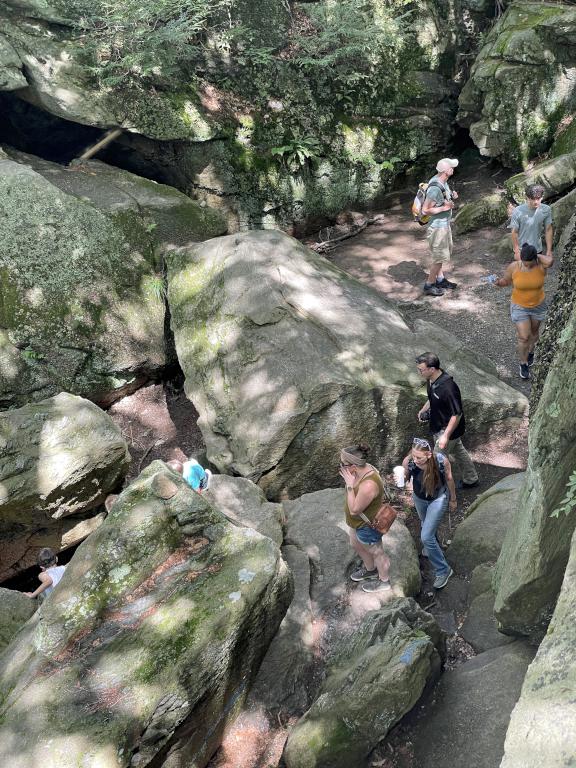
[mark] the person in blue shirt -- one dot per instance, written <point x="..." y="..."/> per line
<point x="193" y="472"/>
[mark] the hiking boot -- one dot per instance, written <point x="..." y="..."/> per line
<point x="441" y="581"/>
<point x="361" y="574"/>
<point x="376" y="586"/>
<point x="530" y="358"/>
<point x="524" y="371"/>
<point x="432" y="290"/>
<point x="444" y="283"/>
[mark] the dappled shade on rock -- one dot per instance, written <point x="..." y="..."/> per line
<point x="149" y="642"/>
<point x="82" y="306"/>
<point x="287" y="358"/>
<point x="59" y="459"/>
<point x="541" y="731"/>
<point x="377" y="674"/>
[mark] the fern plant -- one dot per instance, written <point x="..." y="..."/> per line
<point x="568" y="503"/>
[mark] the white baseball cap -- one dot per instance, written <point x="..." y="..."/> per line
<point x="445" y="163"/>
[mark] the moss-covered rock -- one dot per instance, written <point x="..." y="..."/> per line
<point x="11" y="76"/>
<point x="59" y="458"/>
<point x="15" y="610"/>
<point x="520" y="86"/>
<point x="489" y="210"/>
<point x="287" y="358"/>
<point x="81" y="294"/>
<point x="535" y="551"/>
<point x="556" y="175"/>
<point x="541" y="730"/>
<point x="478" y="538"/>
<point x="272" y="134"/>
<point x="376" y="676"/>
<point x="149" y="643"/>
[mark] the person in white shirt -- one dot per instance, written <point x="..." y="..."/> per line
<point x="50" y="573"/>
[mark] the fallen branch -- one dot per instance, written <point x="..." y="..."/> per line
<point x="328" y="245"/>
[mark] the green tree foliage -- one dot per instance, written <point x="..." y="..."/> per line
<point x="145" y="40"/>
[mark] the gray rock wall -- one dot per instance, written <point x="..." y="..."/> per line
<point x="59" y="458"/>
<point x="541" y="731"/>
<point x="535" y="551"/>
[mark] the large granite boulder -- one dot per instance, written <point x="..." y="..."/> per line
<point x="315" y="524"/>
<point x="541" y="731"/>
<point x="377" y="675"/>
<point x="82" y="296"/>
<point x="59" y="458"/>
<point x="536" y="547"/>
<point x="478" y="538"/>
<point x="287" y="358"/>
<point x="520" y="86"/>
<point x="15" y="610"/>
<point x="488" y="211"/>
<point x="149" y="642"/>
<point x="244" y="503"/>
<point x="463" y="720"/>
<point x="556" y="175"/>
<point x="479" y="628"/>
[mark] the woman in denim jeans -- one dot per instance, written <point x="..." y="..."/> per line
<point x="433" y="491"/>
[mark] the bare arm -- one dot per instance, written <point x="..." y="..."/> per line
<point x="405" y="465"/>
<point x="515" y="245"/>
<point x="367" y="492"/>
<point x="431" y="207"/>
<point x="45" y="582"/>
<point x="425" y="407"/>
<point x="450" y="483"/>
<point x="450" y="427"/>
<point x="549" y="239"/>
<point x="506" y="279"/>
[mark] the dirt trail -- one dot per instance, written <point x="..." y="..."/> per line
<point x="388" y="254"/>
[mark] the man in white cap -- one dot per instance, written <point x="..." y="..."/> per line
<point x="438" y="206"/>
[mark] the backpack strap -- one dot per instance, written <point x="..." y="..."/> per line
<point x="440" y="187"/>
<point x="441" y="467"/>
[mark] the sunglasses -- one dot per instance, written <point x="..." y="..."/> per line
<point x="418" y="442"/>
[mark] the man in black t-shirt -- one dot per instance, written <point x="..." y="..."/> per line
<point x="444" y="411"/>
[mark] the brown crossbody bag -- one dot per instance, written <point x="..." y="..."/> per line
<point x="384" y="517"/>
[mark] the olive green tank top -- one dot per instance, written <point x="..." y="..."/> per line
<point x="355" y="521"/>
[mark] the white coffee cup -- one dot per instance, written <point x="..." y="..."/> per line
<point x="399" y="477"/>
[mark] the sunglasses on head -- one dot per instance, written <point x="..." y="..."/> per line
<point x="418" y="442"/>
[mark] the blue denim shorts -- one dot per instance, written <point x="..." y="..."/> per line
<point x="367" y="535"/>
<point x="519" y="314"/>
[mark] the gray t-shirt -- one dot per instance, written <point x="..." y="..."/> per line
<point x="531" y="223"/>
<point x="439" y="196"/>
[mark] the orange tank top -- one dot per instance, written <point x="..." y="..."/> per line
<point x="528" y="287"/>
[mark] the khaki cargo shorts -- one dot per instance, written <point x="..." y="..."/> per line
<point x="439" y="245"/>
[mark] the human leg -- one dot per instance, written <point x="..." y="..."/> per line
<point x="523" y="339"/>
<point x="439" y="250"/>
<point x="431" y="514"/>
<point x="534" y="332"/>
<point x="462" y="465"/>
<point x="463" y="461"/>
<point x="366" y="555"/>
<point x="380" y="559"/>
